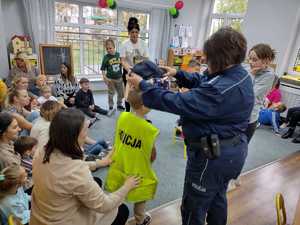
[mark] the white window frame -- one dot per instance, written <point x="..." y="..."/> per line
<point x="227" y="17"/>
<point x="82" y="26"/>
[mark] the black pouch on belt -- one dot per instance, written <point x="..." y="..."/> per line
<point x="209" y="146"/>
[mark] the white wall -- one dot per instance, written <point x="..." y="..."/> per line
<point x="271" y="21"/>
<point x="190" y="14"/>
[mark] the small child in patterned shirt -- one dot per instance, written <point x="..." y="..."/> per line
<point x="25" y="146"/>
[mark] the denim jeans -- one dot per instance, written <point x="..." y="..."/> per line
<point x="31" y="118"/>
<point x="206" y="181"/>
<point x="95" y="149"/>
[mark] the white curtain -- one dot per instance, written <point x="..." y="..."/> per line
<point x="3" y="48"/>
<point x="39" y="15"/>
<point x="202" y="30"/>
<point x="160" y="26"/>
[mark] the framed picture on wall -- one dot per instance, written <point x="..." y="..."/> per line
<point x="52" y="56"/>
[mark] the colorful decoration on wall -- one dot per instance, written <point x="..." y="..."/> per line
<point x="174" y="11"/>
<point x="112" y="4"/>
<point x="179" y="5"/>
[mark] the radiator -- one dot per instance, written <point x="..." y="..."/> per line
<point x="290" y="95"/>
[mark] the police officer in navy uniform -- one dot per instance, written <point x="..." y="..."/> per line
<point x="218" y="104"/>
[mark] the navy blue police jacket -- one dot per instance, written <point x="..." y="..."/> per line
<point x="218" y="103"/>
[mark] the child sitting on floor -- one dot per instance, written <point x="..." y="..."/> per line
<point x="274" y="96"/>
<point x="13" y="200"/>
<point x="84" y="101"/>
<point x="134" y="151"/>
<point x="271" y="116"/>
<point x="46" y="95"/>
<point x="25" y="146"/>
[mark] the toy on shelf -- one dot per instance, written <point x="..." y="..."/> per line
<point x="296" y="67"/>
<point x="21" y="45"/>
<point x="180" y="57"/>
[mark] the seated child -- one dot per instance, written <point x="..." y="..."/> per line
<point x="194" y="66"/>
<point x="274" y="96"/>
<point x="84" y="101"/>
<point x="134" y="151"/>
<point x="41" y="80"/>
<point x="45" y="95"/>
<point x="271" y="116"/>
<point x="13" y="200"/>
<point x="25" y="146"/>
<point x="96" y="148"/>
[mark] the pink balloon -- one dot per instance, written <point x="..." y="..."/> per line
<point x="179" y="5"/>
<point x="102" y="3"/>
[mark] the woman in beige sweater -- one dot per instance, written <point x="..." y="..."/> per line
<point x="65" y="192"/>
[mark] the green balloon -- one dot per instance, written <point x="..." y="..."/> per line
<point x="172" y="11"/>
<point x="110" y="3"/>
<point x="113" y="6"/>
<point x="176" y="15"/>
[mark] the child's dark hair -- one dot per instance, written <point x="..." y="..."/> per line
<point x="133" y="23"/>
<point x="264" y="51"/>
<point x="135" y="99"/>
<point x="24" y="143"/>
<point x="110" y="41"/>
<point x="224" y="48"/>
<point x="276" y="83"/>
<point x="281" y="108"/>
<point x="84" y="80"/>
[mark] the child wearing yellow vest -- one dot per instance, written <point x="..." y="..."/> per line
<point x="134" y="151"/>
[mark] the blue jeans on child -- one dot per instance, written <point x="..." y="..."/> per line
<point x="96" y="148"/>
<point x="30" y="118"/>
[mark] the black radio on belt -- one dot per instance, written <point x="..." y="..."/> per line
<point x="209" y="146"/>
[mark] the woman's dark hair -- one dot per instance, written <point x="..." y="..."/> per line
<point x="5" y="120"/>
<point x="70" y="75"/>
<point x="224" y="48"/>
<point x="276" y="83"/>
<point x="63" y="134"/>
<point x="133" y="23"/>
<point x="264" y="51"/>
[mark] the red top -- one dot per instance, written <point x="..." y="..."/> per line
<point x="274" y="96"/>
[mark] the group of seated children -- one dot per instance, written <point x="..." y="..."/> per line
<point x="15" y="188"/>
<point x="23" y="125"/>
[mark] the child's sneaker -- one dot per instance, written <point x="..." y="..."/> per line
<point x="120" y="108"/>
<point x="110" y="112"/>
<point x="284" y="125"/>
<point x="147" y="219"/>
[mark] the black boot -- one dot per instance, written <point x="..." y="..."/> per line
<point x="296" y="139"/>
<point x="289" y="133"/>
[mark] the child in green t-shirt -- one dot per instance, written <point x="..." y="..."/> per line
<point x="112" y="74"/>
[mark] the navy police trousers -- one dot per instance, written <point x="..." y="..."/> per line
<point x="206" y="181"/>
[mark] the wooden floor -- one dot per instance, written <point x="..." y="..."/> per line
<point x="253" y="202"/>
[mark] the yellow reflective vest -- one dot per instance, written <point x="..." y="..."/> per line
<point x="134" y="140"/>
